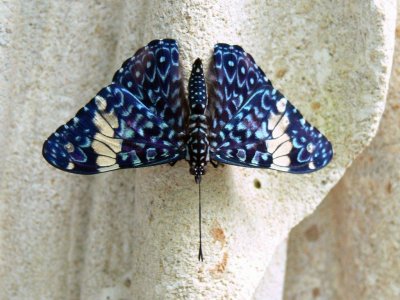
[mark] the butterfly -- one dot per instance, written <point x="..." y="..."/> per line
<point x="142" y="119"/>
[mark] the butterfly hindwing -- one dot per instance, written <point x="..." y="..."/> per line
<point x="114" y="130"/>
<point x="265" y="130"/>
<point x="127" y="124"/>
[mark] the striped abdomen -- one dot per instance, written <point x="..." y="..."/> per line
<point x="197" y="144"/>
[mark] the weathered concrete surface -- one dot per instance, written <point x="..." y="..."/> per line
<point x="349" y="247"/>
<point x="133" y="233"/>
<point x="271" y="286"/>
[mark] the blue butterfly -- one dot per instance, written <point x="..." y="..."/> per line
<point x="142" y="119"/>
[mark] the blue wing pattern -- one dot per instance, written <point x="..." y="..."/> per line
<point x="234" y="78"/>
<point x="130" y="123"/>
<point x="154" y="76"/>
<point x="254" y="124"/>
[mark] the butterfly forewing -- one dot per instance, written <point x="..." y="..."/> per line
<point x="131" y="123"/>
<point x="234" y="77"/>
<point x="255" y="125"/>
<point x="154" y="74"/>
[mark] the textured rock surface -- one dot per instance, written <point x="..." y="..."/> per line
<point x="135" y="232"/>
<point x="271" y="286"/>
<point x="349" y="248"/>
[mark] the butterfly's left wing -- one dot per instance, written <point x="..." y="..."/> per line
<point x="263" y="129"/>
<point x="137" y="121"/>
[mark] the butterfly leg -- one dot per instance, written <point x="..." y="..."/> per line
<point x="215" y="164"/>
<point x="172" y="163"/>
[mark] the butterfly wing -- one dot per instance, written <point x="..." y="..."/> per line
<point x="154" y="76"/>
<point x="128" y="123"/>
<point x="262" y="129"/>
<point x="234" y="77"/>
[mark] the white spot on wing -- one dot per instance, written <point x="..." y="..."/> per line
<point x="283" y="161"/>
<point x="283" y="149"/>
<point x="102" y="125"/>
<point x="111" y="119"/>
<point x="273" y="120"/>
<point x="69" y="147"/>
<point x="273" y="144"/>
<point x="101" y="103"/>
<point x="100" y="149"/>
<point x="279" y="168"/>
<point x="310" y="147"/>
<point x="281" y="127"/>
<point x="114" y="144"/>
<point x="105" y="161"/>
<point x="281" y="105"/>
<point x="109" y="168"/>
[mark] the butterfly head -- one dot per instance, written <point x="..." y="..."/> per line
<point x="197" y="171"/>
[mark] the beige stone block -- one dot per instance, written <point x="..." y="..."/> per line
<point x="349" y="247"/>
<point x="133" y="234"/>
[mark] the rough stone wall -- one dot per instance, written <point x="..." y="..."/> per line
<point x="349" y="247"/>
<point x="132" y="234"/>
<point x="271" y="286"/>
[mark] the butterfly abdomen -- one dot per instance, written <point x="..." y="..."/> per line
<point x="197" y="144"/>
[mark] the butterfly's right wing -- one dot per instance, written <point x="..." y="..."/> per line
<point x="137" y="121"/>
<point x="254" y="125"/>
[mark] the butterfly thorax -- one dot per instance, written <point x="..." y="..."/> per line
<point x="197" y="144"/>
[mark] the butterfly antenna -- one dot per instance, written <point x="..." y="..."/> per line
<point x="200" y="249"/>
